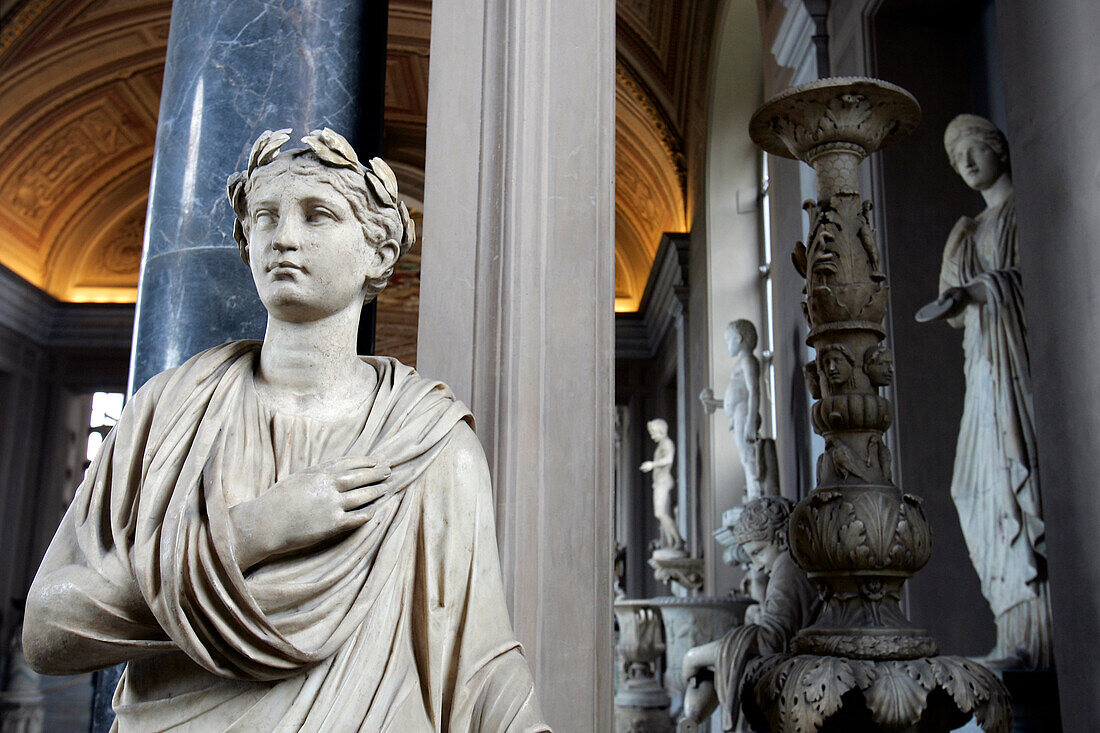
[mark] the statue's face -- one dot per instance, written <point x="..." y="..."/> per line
<point x="762" y="554"/>
<point x="733" y="341"/>
<point x="836" y="367"/>
<point x="307" y="251"/>
<point x="881" y="371"/>
<point x="657" y="431"/>
<point x="978" y="164"/>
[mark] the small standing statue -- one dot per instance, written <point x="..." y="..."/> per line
<point x="663" y="484"/>
<point x="742" y="404"/>
<point x="996" y="482"/>
<point x="713" y="671"/>
<point x="669" y="561"/>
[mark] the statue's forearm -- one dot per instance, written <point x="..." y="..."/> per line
<point x="251" y="538"/>
<point x="67" y="631"/>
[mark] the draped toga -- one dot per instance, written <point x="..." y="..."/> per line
<point x="400" y="625"/>
<point x="995" y="484"/>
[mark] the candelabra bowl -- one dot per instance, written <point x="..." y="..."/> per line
<point x="857" y="113"/>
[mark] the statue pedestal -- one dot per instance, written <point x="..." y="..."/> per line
<point x="672" y="565"/>
<point x="691" y="622"/>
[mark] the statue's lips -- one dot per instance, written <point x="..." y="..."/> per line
<point x="285" y="266"/>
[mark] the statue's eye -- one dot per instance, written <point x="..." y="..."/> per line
<point x="319" y="215"/>
<point x="265" y="218"/>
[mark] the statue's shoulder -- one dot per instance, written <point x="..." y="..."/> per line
<point x="463" y="450"/>
<point x="203" y="365"/>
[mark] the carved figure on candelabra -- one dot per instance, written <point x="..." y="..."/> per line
<point x="713" y="671"/>
<point x="284" y="535"/>
<point x="838" y="365"/>
<point x="995" y="484"/>
<point x="878" y="365"/>
<point x="741" y="404"/>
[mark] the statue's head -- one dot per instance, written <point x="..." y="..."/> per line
<point x="658" y="429"/>
<point x="741" y="336"/>
<point x="835" y="361"/>
<point x="878" y="365"/>
<point x="761" y="530"/>
<point x="978" y="151"/>
<point x="315" y="225"/>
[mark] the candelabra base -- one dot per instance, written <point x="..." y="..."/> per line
<point x="804" y="692"/>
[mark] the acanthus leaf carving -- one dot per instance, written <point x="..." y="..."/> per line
<point x="898" y="695"/>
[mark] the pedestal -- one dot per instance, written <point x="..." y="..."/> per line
<point x="674" y="566"/>
<point x="641" y="703"/>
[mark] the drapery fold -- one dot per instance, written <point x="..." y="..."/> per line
<point x="995" y="478"/>
<point x="790" y="603"/>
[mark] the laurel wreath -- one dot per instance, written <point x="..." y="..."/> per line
<point x="333" y="150"/>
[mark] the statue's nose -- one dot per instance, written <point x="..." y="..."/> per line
<point x="287" y="235"/>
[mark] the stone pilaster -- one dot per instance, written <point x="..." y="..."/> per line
<point x="517" y="310"/>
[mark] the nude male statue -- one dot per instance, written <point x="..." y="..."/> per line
<point x="742" y="404"/>
<point x="663" y="484"/>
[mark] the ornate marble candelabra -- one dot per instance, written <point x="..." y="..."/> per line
<point x="861" y="666"/>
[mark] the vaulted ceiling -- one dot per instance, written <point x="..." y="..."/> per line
<point x="663" y="52"/>
<point x="80" y="83"/>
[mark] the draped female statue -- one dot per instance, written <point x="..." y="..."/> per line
<point x="283" y="535"/>
<point x="995" y="484"/>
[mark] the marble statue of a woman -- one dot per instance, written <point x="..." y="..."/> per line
<point x="283" y="535"/>
<point x="995" y="484"/>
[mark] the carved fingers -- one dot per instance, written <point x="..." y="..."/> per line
<point x="362" y="487"/>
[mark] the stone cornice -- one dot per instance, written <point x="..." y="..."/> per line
<point x="638" y="335"/>
<point x="48" y="322"/>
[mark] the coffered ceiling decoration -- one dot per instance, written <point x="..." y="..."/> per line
<point x="80" y="82"/>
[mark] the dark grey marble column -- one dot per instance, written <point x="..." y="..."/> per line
<point x="235" y="69"/>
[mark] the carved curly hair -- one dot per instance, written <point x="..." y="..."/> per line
<point x="764" y="519"/>
<point x="371" y="190"/>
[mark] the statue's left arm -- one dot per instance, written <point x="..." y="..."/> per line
<point x="84" y="609"/>
<point x="466" y="648"/>
<point x="751" y="374"/>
